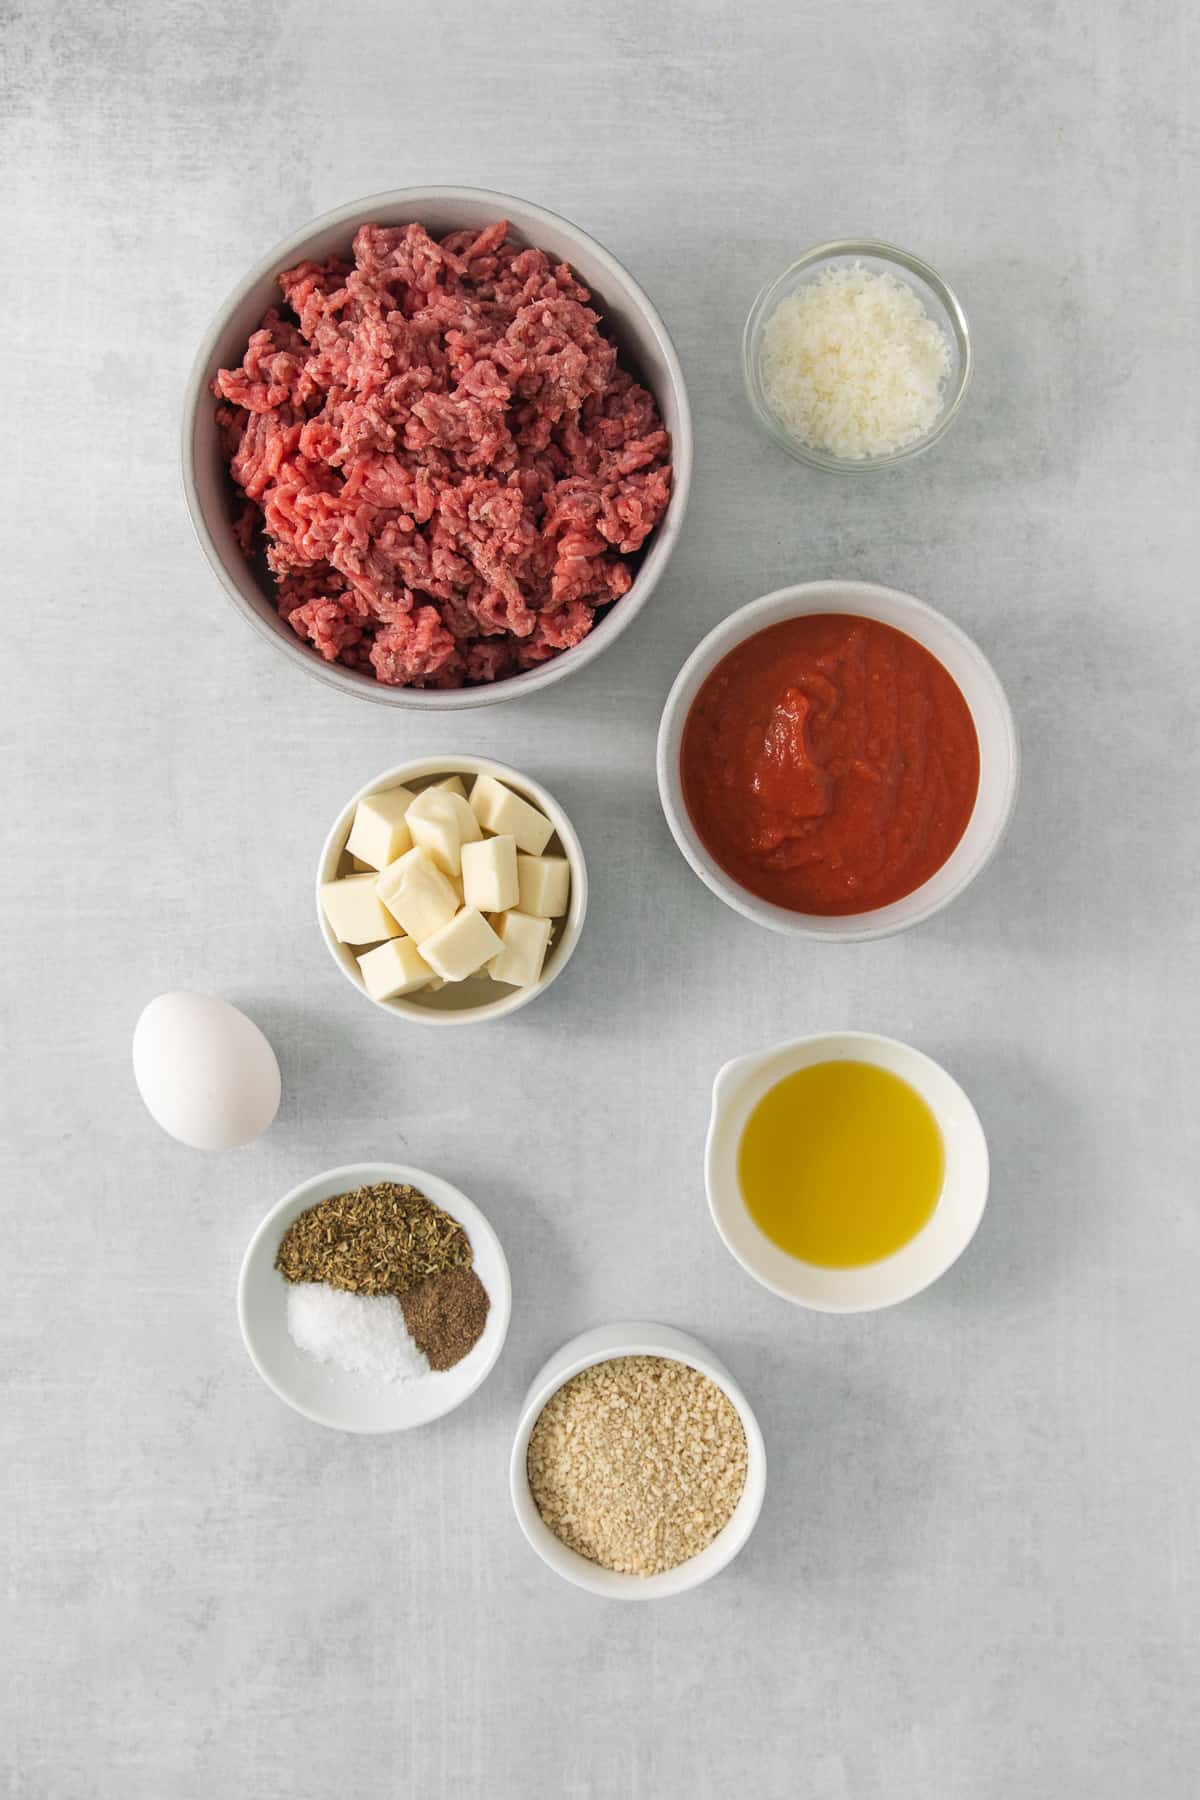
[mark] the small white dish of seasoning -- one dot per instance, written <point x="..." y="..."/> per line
<point x="343" y="1322"/>
<point x="602" y="1473"/>
<point x="845" y="1171"/>
<point x="857" y="357"/>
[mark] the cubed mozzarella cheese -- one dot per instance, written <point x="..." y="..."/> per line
<point x="355" y="912"/>
<point x="525" y="940"/>
<point x="501" y="811"/>
<point x="441" y="822"/>
<point x="490" y="874"/>
<point x="393" y="969"/>
<point x="416" y="892"/>
<point x="544" y="885"/>
<point x="379" y="834"/>
<point x="462" y="946"/>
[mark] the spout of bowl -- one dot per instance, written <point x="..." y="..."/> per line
<point x="727" y="1081"/>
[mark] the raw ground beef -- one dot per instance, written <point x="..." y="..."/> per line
<point x="441" y="455"/>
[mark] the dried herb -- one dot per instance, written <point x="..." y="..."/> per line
<point x="382" y="1239"/>
<point x="446" y="1315"/>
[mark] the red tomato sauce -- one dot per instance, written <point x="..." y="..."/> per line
<point x="830" y="764"/>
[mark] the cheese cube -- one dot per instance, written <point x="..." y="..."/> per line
<point x="462" y="946"/>
<point x="501" y="811"/>
<point x="525" y="941"/>
<point x="394" y="968"/>
<point x="379" y="835"/>
<point x="442" y="822"/>
<point x="453" y="784"/>
<point x="490" y="874"/>
<point x="354" y="911"/>
<point x="416" y="892"/>
<point x="544" y="885"/>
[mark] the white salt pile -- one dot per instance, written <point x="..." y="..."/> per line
<point x="362" y="1333"/>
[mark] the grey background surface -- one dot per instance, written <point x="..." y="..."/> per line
<point x="976" y="1574"/>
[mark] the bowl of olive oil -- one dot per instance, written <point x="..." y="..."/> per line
<point x="845" y="1171"/>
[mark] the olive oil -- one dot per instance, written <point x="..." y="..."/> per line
<point x="841" y="1164"/>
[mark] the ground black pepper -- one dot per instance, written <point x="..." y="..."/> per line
<point x="446" y="1315"/>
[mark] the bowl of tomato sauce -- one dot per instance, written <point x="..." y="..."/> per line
<point x="837" y="760"/>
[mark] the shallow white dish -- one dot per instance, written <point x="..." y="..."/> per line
<point x="630" y="318"/>
<point x="602" y="1345"/>
<point x="999" y="753"/>
<point x="331" y="1396"/>
<point x="740" y="1085"/>
<point x="475" y="1000"/>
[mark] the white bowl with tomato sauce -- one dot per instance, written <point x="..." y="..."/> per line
<point x="748" y="838"/>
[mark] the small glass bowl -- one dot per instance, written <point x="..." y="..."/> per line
<point x="940" y="302"/>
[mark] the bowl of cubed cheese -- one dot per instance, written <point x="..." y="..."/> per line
<point x="452" y="890"/>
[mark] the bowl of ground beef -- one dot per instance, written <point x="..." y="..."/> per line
<point x="437" y="448"/>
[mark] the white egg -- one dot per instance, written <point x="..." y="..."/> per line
<point x="206" y="1072"/>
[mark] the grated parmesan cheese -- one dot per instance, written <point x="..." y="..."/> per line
<point x="851" y="363"/>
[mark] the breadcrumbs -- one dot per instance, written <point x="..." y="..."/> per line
<point x="637" y="1463"/>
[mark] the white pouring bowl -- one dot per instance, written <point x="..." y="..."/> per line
<point x="629" y="317"/>
<point x="999" y="754"/>
<point x="739" y="1087"/>
<point x="603" y="1344"/>
<point x="470" y="1002"/>
<point x="332" y="1396"/>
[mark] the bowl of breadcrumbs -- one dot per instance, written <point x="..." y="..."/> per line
<point x="638" y="1468"/>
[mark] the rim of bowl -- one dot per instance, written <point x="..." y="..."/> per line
<point x="724" y="637"/>
<point x="657" y="555"/>
<point x="561" y="952"/>
<point x="636" y="1338"/>
<point x="865" y="1040"/>
<point x="764" y="303"/>
<point x="463" y="1209"/>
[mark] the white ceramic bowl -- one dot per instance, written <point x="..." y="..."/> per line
<point x="999" y="755"/>
<point x="332" y="1396"/>
<point x="741" y="1085"/>
<point x="461" y="1002"/>
<point x="632" y="321"/>
<point x="602" y="1345"/>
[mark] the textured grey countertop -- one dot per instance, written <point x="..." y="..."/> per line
<point x="977" y="1570"/>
